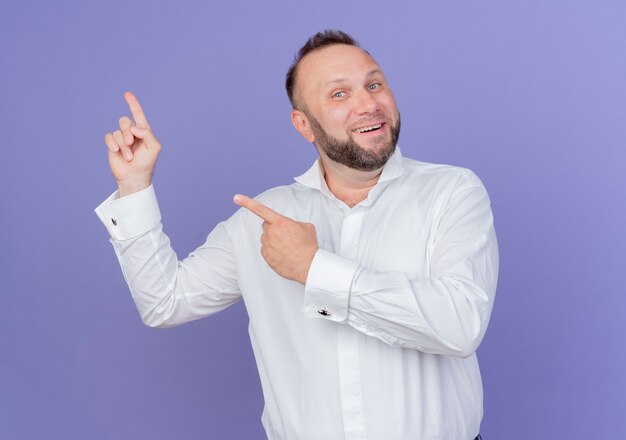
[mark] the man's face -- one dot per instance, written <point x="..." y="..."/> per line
<point x="351" y="114"/>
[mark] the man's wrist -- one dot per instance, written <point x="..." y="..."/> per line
<point x="306" y="267"/>
<point x="129" y="187"/>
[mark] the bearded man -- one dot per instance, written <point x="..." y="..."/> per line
<point x="369" y="282"/>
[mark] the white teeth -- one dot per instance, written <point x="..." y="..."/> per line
<point x="364" y="129"/>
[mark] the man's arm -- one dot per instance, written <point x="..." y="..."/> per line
<point x="167" y="292"/>
<point x="446" y="313"/>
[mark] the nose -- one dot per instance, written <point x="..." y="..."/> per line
<point x="365" y="103"/>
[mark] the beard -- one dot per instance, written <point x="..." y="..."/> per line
<point x="350" y="153"/>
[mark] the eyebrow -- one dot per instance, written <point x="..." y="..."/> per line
<point x="341" y="79"/>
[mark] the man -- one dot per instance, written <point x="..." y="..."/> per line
<point x="369" y="282"/>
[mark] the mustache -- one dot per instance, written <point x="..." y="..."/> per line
<point x="376" y="117"/>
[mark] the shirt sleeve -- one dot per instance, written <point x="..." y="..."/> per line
<point x="166" y="291"/>
<point x="446" y="313"/>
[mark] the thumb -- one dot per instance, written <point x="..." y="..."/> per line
<point x="145" y="134"/>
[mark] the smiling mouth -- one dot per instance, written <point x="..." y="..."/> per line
<point x="368" y="129"/>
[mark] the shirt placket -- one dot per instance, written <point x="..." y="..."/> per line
<point x="348" y="340"/>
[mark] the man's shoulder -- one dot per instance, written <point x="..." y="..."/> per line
<point x="280" y="192"/>
<point x="282" y="198"/>
<point x="435" y="172"/>
<point x="428" y="168"/>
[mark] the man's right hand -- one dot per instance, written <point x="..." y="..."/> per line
<point x="133" y="150"/>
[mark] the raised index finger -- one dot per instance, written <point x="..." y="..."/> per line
<point x="136" y="110"/>
<point x="257" y="208"/>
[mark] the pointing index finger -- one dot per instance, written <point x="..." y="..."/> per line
<point x="257" y="208"/>
<point x="136" y="110"/>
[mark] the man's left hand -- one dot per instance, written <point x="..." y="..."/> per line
<point x="287" y="245"/>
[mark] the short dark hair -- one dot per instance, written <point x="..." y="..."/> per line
<point x="325" y="38"/>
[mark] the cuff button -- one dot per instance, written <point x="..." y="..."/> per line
<point x="323" y="312"/>
<point x="114" y="222"/>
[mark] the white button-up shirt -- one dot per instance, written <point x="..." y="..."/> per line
<point x="380" y="342"/>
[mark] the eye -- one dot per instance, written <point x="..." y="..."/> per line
<point x="374" y="86"/>
<point x="339" y="94"/>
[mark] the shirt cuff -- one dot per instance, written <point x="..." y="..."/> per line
<point x="327" y="288"/>
<point x="130" y="216"/>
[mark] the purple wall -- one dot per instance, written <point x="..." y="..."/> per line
<point x="530" y="95"/>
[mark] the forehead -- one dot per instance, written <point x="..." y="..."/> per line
<point x="334" y="63"/>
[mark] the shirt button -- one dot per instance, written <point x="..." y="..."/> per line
<point x="323" y="312"/>
<point x="114" y="222"/>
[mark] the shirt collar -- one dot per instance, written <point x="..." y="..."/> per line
<point x="314" y="177"/>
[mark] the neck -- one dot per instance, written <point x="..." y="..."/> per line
<point x="348" y="185"/>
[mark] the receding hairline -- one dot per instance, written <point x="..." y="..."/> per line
<point x="296" y="98"/>
<point x="368" y="74"/>
<point x="327" y="37"/>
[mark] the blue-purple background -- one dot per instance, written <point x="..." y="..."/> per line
<point x="530" y="95"/>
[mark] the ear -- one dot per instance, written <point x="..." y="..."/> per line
<point x="301" y="123"/>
